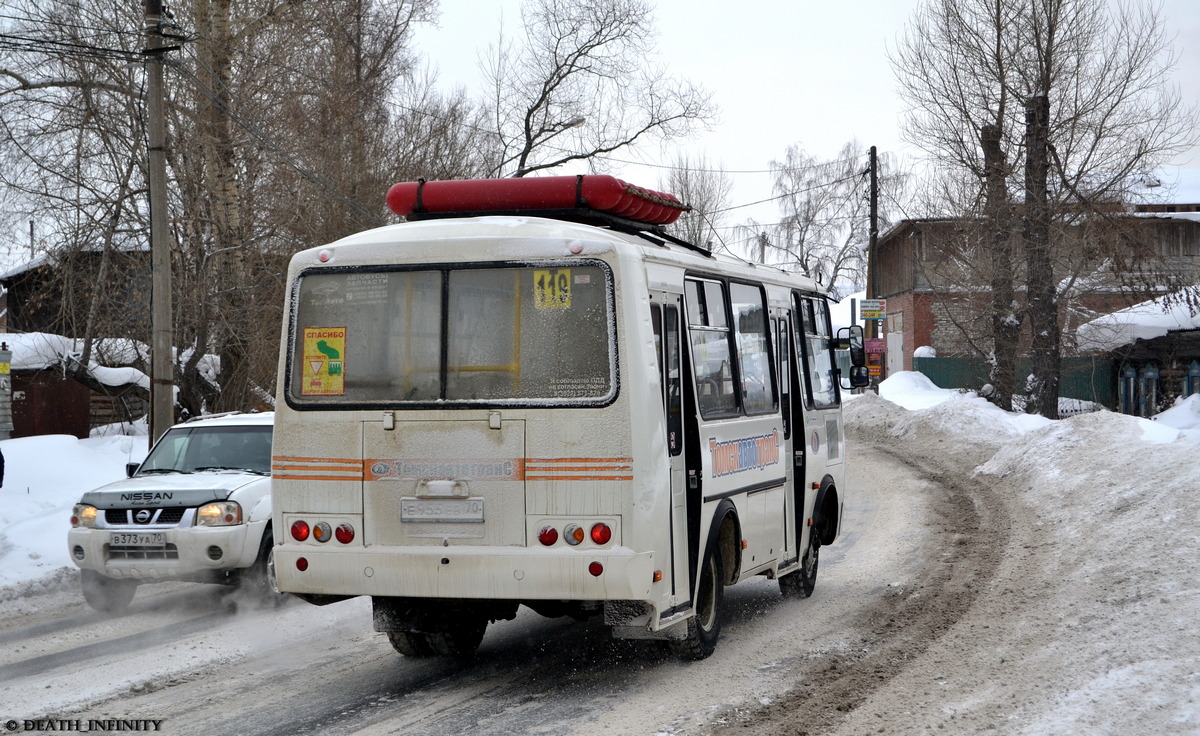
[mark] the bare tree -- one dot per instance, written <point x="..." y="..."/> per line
<point x="579" y="84"/>
<point x="287" y="120"/>
<point x="706" y="189"/>
<point x="967" y="70"/>
<point x="824" y="210"/>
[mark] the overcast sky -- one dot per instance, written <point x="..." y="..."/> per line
<point x="808" y="72"/>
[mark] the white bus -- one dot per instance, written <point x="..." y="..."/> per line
<point x="515" y="400"/>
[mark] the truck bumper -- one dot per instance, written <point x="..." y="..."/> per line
<point x="189" y="557"/>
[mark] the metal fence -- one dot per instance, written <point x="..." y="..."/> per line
<point x="1087" y="384"/>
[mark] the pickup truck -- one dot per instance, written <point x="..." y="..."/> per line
<point x="198" y="508"/>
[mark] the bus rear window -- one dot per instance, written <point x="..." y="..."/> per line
<point x="504" y="335"/>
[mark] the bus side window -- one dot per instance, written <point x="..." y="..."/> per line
<point x="783" y="353"/>
<point x="750" y="324"/>
<point x="656" y="322"/>
<point x="708" y="327"/>
<point x="820" y="370"/>
<point x="674" y="380"/>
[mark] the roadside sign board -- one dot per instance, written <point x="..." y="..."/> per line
<point x="872" y="309"/>
<point x="875" y="347"/>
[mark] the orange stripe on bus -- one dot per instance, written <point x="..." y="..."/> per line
<point x="318" y="477"/>
<point x="579" y="477"/>
<point x="579" y="460"/>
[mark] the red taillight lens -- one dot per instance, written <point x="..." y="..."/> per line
<point x="596" y="569"/>
<point x="301" y="564"/>
<point x="300" y="530"/>
<point x="601" y="533"/>
<point x="548" y="535"/>
<point x="344" y="533"/>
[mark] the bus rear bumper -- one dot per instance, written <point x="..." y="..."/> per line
<point x="498" y="573"/>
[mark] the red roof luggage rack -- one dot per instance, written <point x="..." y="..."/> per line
<point x="592" y="198"/>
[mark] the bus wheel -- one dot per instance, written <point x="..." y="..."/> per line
<point x="705" y="627"/>
<point x="800" y="584"/>
<point x="411" y="644"/>
<point x="460" y="638"/>
<point x="104" y="594"/>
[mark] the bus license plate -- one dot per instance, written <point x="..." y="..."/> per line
<point x="143" y="539"/>
<point x="455" y="511"/>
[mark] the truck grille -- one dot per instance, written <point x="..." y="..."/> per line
<point x="118" y="517"/>
<point x="169" y="552"/>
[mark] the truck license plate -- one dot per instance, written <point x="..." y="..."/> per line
<point x="450" y="510"/>
<point x="142" y="539"/>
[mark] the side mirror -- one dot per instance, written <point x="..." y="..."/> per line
<point x="851" y="338"/>
<point x="860" y="377"/>
<point x="131" y="468"/>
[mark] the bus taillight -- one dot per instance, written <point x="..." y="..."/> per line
<point x="601" y="533"/>
<point x="321" y="532"/>
<point x="300" y="531"/>
<point x="548" y="535"/>
<point x="344" y="533"/>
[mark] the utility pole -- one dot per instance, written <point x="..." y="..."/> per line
<point x="873" y="233"/>
<point x="162" y="371"/>
<point x="875" y="330"/>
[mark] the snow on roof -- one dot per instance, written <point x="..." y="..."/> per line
<point x="1193" y="216"/>
<point x="1144" y="321"/>
<point x="20" y="268"/>
<point x="40" y="350"/>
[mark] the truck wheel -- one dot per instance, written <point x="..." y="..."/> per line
<point x="411" y="644"/>
<point x="704" y="628"/>
<point x="460" y="639"/>
<point x="800" y="584"/>
<point x="104" y="594"/>
<point x="257" y="582"/>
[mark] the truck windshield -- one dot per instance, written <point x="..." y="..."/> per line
<point x="190" y="450"/>
<point x="522" y="335"/>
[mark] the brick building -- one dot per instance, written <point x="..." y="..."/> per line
<point x="931" y="273"/>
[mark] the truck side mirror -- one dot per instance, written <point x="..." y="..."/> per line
<point x="851" y="338"/>
<point x="131" y="468"/>
<point x="860" y="377"/>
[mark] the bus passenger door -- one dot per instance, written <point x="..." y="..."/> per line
<point x="665" y="314"/>
<point x="791" y="407"/>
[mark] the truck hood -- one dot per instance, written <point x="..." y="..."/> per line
<point x="184" y="490"/>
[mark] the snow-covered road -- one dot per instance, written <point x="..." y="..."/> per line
<point x="183" y="655"/>
<point x="997" y="573"/>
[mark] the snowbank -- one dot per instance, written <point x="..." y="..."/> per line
<point x="43" y="479"/>
<point x="1098" y="637"/>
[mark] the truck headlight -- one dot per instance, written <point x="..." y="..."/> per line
<point x="221" y="513"/>
<point x="83" y="515"/>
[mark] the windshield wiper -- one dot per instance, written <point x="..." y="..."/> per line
<point x="156" y="471"/>
<point x="227" y="467"/>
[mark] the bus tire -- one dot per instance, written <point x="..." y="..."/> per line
<point x="704" y="628"/>
<point x="411" y="644"/>
<point x="802" y="582"/>
<point x="104" y="594"/>
<point x="459" y="639"/>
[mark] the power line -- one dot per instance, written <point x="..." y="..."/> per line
<point x="51" y="46"/>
